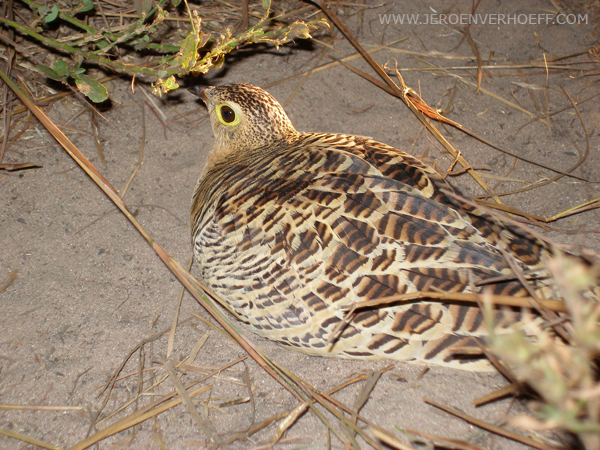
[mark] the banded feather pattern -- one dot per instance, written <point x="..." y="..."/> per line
<point x="290" y="228"/>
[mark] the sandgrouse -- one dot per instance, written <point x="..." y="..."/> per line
<point x="292" y="228"/>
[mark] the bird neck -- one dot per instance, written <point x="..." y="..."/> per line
<point x="224" y="154"/>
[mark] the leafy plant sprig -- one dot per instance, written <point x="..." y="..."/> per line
<point x="564" y="376"/>
<point x="188" y="57"/>
<point x="170" y="60"/>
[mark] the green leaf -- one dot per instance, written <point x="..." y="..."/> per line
<point x="163" y="86"/>
<point x="266" y="4"/>
<point x="204" y="37"/>
<point x="146" y="6"/>
<point x="61" y="68"/>
<point x="298" y="29"/>
<point x="91" y="88"/>
<point x="102" y="44"/>
<point x="169" y="48"/>
<point x="165" y="60"/>
<point x="78" y="72"/>
<point x="219" y="62"/>
<point x="52" y="14"/>
<point x="141" y="42"/>
<point x="50" y="73"/>
<point x="175" y="3"/>
<point x="188" y="51"/>
<point x="86" y="5"/>
<point x="171" y="84"/>
<point x="43" y="11"/>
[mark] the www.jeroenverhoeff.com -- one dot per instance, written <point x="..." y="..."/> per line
<point x="483" y="19"/>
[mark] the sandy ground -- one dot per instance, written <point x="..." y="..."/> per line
<point x="89" y="289"/>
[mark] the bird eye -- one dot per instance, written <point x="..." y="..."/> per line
<point x="227" y="115"/>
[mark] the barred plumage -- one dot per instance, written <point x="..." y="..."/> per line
<point x="291" y="227"/>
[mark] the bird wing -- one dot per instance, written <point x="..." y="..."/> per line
<point x="293" y="237"/>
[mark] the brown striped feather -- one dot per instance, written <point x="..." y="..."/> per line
<point x="290" y="228"/>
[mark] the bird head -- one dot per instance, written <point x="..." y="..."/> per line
<point x="244" y="117"/>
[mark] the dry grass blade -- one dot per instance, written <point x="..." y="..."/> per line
<point x="558" y="111"/>
<point x="214" y="327"/>
<point x="586" y="206"/>
<point x="43" y="408"/>
<point x="22" y="437"/>
<point x="292" y="417"/>
<point x="513" y="154"/>
<point x="304" y="390"/>
<point x="330" y="404"/>
<point x="8" y="105"/>
<point x="500" y="367"/>
<point x="388" y="439"/>
<point x="171" y="340"/>
<point x="333" y="64"/>
<point x="140" y="345"/>
<point x="511" y="389"/>
<point x="8" y="281"/>
<point x="487" y="67"/>
<point x="95" y="130"/>
<point x="109" y="386"/>
<point x="192" y="356"/>
<point x="205" y="377"/>
<point x="141" y="157"/>
<point x="475" y="50"/>
<point x="499" y="300"/>
<point x="149" y="411"/>
<point x="364" y="394"/>
<point x="205" y="425"/>
<point x="254" y="429"/>
<point x="453" y="444"/>
<point x="489" y="427"/>
<point x="494" y="96"/>
<point x="248" y="382"/>
<point x="21" y="166"/>
<point x="415" y="99"/>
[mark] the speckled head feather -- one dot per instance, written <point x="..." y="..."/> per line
<point x="292" y="229"/>
<point x="260" y="121"/>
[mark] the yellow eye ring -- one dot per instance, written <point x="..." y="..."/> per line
<point x="226" y="115"/>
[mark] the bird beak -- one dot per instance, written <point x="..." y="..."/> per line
<point x="200" y="91"/>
